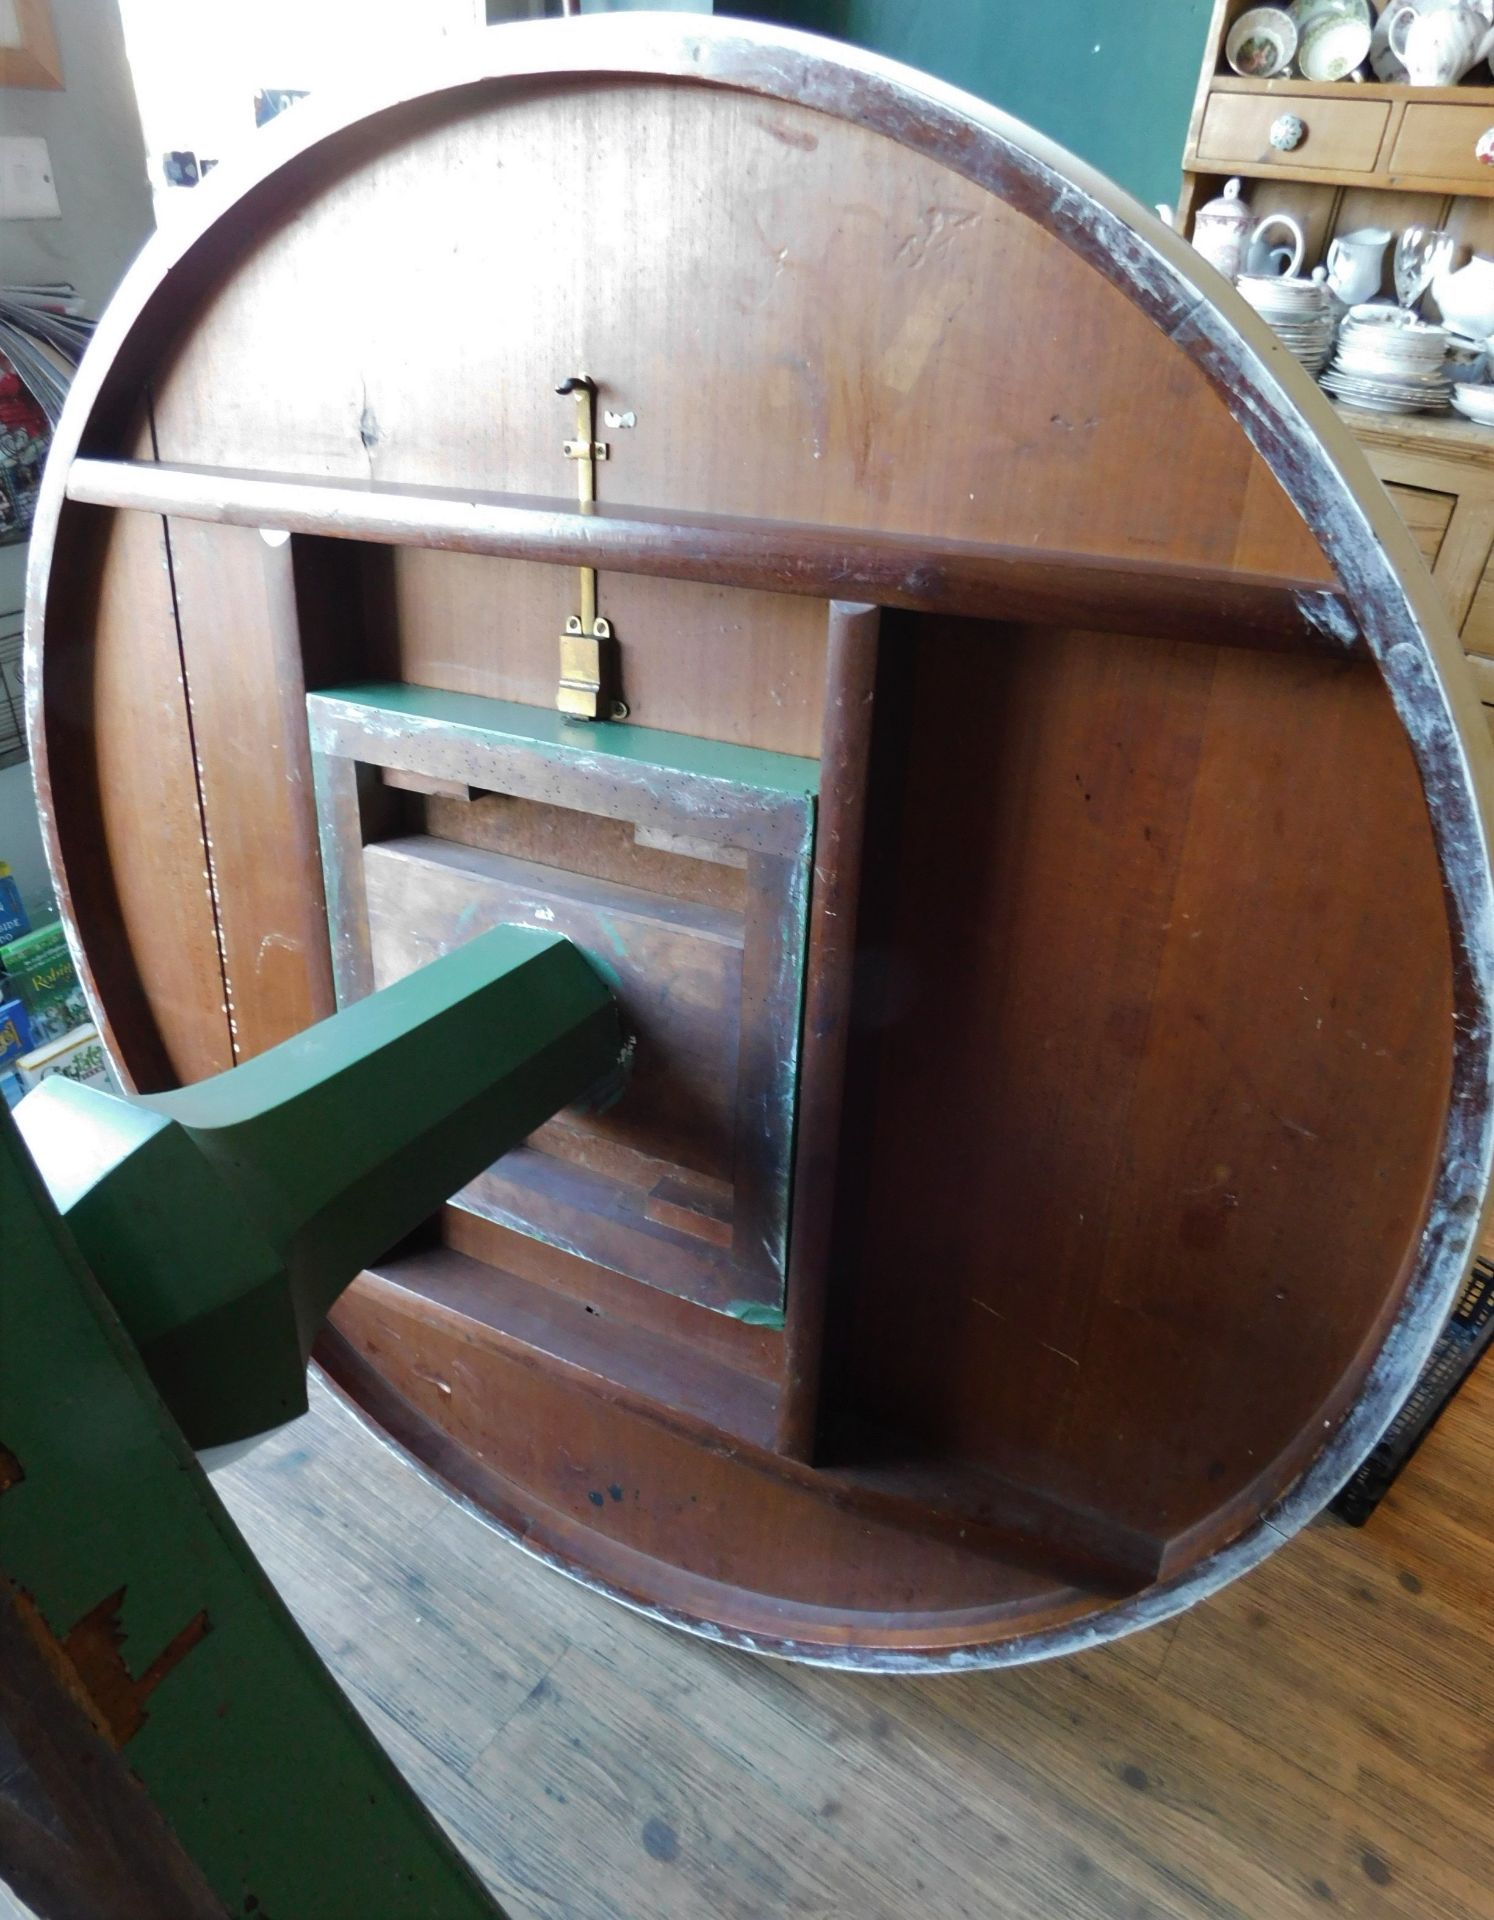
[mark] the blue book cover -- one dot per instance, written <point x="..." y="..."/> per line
<point x="15" y="1033"/>
<point x="13" y="917"/>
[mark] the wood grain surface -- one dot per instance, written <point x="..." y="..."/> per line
<point x="891" y="569"/>
<point x="1168" y="1099"/>
<point x="1313" y="1741"/>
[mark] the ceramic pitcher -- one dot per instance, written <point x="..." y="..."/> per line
<point x="1437" y="49"/>
<point x="1356" y="262"/>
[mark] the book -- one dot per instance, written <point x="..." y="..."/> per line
<point x="15" y="1033"/>
<point x="14" y="919"/>
<point x="40" y="972"/>
<point x="78" y="1055"/>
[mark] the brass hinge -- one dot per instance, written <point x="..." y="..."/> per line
<point x="587" y="651"/>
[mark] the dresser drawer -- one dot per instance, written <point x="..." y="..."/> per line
<point x="1340" y="136"/>
<point x="1437" y="143"/>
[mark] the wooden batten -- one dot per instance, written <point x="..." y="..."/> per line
<point x="1224" y="607"/>
<point x="840" y="855"/>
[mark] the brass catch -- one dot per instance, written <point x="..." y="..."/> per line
<point x="581" y="669"/>
<point x="587" y="651"/>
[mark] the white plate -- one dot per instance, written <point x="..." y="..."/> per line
<point x="1439" y="383"/>
<point x="1375" y="377"/>
<point x="1383" y="402"/>
<point x="1301" y="311"/>
<point x="1279" y="290"/>
<point x="1383" y="363"/>
<point x="1387" y="319"/>
<point x="1391" y="376"/>
<point x="1375" y="406"/>
<point x="1398" y="366"/>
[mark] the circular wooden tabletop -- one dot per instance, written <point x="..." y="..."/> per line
<point x="1043" y="859"/>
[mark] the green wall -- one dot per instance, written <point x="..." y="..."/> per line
<point x="1112" y="80"/>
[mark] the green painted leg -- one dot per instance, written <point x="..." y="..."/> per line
<point x="141" y="1647"/>
<point x="223" y="1220"/>
<point x="140" y="1644"/>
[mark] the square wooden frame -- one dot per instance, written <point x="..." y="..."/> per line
<point x="758" y="806"/>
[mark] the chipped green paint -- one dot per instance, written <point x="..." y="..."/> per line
<point x="262" y="1768"/>
<point x="754" y="1314"/>
<point x="614" y="938"/>
<point x="220" y="1222"/>
<point x="749" y="769"/>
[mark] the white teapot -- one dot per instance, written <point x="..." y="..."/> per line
<point x="1437" y="49"/>
<point x="1466" y="297"/>
<point x="1221" y="230"/>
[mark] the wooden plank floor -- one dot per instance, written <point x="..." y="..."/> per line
<point x="1319" y="1739"/>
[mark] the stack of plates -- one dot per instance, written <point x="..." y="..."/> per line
<point x="1390" y="362"/>
<point x="1301" y="313"/>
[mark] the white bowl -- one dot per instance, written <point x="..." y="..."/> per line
<point x="1261" y="43"/>
<point x="1475" y="403"/>
<point x="1333" y="37"/>
<point x="1380" y="313"/>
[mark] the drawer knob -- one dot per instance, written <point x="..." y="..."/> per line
<point x="1287" y="132"/>
<point x="1483" y="149"/>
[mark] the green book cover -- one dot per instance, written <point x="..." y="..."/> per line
<point x="42" y="947"/>
<point x="41" y="971"/>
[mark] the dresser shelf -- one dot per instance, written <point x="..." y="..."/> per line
<point x="1373" y="155"/>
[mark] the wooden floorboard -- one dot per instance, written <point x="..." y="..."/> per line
<point x="1318" y="1739"/>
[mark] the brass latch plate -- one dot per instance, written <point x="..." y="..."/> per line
<point x="587" y="654"/>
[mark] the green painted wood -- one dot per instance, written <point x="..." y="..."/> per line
<point x="224" y="1219"/>
<point x="496" y="722"/>
<point x="757" y="802"/>
<point x="121" y="1567"/>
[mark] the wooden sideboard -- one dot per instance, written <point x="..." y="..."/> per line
<point x="1440" y="474"/>
<point x="1388" y="156"/>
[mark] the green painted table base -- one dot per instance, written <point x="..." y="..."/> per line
<point x="223" y="1220"/>
<point x="149" y="1650"/>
